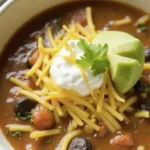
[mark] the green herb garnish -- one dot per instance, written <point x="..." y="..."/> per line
<point x="58" y="24"/>
<point x="27" y="117"/>
<point x="57" y="28"/>
<point x="94" y="57"/>
<point x="7" y="132"/>
<point x="135" y="126"/>
<point x="59" y="18"/>
<point x="15" y="134"/>
<point x="142" y="27"/>
<point x="146" y="88"/>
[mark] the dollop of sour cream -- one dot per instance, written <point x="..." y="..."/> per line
<point x="68" y="76"/>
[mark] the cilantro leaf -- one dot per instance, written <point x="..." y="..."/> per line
<point x="58" y="24"/>
<point x="27" y="117"/>
<point x="135" y="126"/>
<point x="14" y="134"/>
<point x="17" y="133"/>
<point x="88" y="54"/>
<point x="99" y="66"/>
<point x="94" y="57"/>
<point x="83" y="45"/>
<point x="146" y="88"/>
<point x="7" y="132"/>
<point x="84" y="62"/>
<point x="142" y="27"/>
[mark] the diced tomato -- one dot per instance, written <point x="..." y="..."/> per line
<point x="103" y="130"/>
<point x="33" y="57"/>
<point x="43" y="119"/>
<point x="124" y="140"/>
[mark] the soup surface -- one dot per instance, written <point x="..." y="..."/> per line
<point x="20" y="47"/>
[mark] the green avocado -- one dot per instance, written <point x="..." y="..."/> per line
<point x="126" y="56"/>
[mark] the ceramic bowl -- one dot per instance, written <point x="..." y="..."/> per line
<point x="15" y="13"/>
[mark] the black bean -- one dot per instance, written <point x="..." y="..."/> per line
<point x="147" y="53"/>
<point x="23" y="106"/>
<point x="139" y="87"/>
<point x="80" y="144"/>
<point x="145" y="105"/>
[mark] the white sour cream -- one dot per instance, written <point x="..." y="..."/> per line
<point x="68" y="76"/>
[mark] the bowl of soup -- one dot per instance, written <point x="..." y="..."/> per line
<point x="74" y="75"/>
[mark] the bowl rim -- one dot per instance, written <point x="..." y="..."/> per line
<point x="6" y="5"/>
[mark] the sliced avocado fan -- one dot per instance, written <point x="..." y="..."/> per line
<point x="126" y="56"/>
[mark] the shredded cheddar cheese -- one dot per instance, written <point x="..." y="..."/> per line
<point x="37" y="134"/>
<point x="18" y="127"/>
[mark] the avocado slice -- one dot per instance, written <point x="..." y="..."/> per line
<point x="126" y="56"/>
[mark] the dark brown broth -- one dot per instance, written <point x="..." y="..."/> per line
<point x="13" y="62"/>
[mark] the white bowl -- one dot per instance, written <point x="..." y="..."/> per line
<point x="15" y="13"/>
